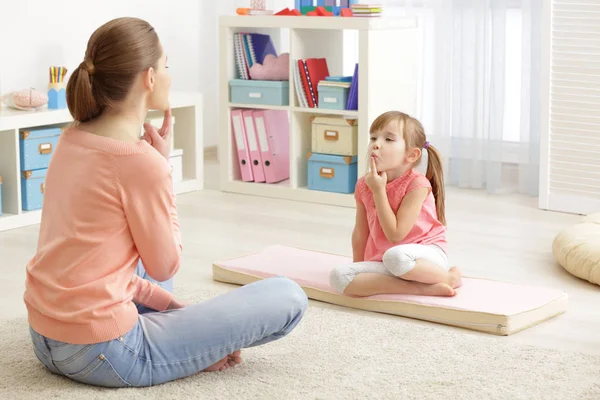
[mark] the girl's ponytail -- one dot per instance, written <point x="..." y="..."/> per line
<point x="80" y="94"/>
<point x="435" y="174"/>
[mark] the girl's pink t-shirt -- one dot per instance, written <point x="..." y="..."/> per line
<point x="426" y="230"/>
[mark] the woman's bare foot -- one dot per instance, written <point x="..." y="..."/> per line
<point x="234" y="358"/>
<point x="438" y="289"/>
<point x="231" y="360"/>
<point x="220" y="365"/>
<point x="454" y="278"/>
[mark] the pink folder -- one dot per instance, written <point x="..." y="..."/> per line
<point x="241" y="142"/>
<point x="273" y="131"/>
<point x="255" y="157"/>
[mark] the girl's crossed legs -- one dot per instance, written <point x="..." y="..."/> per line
<point x="423" y="270"/>
<point x="164" y="346"/>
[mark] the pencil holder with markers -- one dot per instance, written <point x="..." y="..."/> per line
<point x="57" y="88"/>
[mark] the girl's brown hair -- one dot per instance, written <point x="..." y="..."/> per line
<point x="414" y="137"/>
<point x="115" y="54"/>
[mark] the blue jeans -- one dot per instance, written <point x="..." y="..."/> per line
<point x="168" y="345"/>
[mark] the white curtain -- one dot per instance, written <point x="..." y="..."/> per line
<point x="479" y="88"/>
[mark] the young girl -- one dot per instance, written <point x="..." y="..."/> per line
<point x="399" y="237"/>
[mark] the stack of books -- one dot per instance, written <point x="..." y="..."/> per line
<point x="366" y="10"/>
<point x="250" y="49"/>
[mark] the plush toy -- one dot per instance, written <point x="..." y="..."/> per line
<point x="272" y="69"/>
<point x="27" y="99"/>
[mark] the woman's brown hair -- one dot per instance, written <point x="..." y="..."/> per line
<point x="115" y="54"/>
<point x="414" y="137"/>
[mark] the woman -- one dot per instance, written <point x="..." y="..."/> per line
<point x="109" y="223"/>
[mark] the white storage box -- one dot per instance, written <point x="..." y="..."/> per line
<point x="335" y="135"/>
<point x="176" y="163"/>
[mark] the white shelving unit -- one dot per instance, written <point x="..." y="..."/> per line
<point x="387" y="53"/>
<point x="186" y="108"/>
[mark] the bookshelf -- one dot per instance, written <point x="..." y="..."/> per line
<point x="187" y="111"/>
<point x="387" y="53"/>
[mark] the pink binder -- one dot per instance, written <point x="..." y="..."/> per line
<point x="273" y="131"/>
<point x="254" y="150"/>
<point x="241" y="143"/>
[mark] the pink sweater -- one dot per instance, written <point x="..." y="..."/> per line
<point x="106" y="204"/>
<point x="426" y="230"/>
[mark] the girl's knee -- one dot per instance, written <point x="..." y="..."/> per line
<point x="340" y="278"/>
<point x="397" y="261"/>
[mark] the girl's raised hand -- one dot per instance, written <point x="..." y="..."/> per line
<point x="161" y="139"/>
<point x="375" y="180"/>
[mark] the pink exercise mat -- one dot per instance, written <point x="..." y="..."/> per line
<point x="483" y="305"/>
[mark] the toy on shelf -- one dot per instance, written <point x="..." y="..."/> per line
<point x="251" y="11"/>
<point x="346" y="12"/>
<point x="26" y="99"/>
<point x="57" y="96"/>
<point x="287" y="12"/>
<point x="320" y="12"/>
<point x="328" y="8"/>
<point x="273" y="68"/>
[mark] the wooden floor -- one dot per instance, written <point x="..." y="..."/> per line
<point x="505" y="238"/>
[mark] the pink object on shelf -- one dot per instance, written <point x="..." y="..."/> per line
<point x="273" y="132"/>
<point x="272" y="69"/>
<point x="27" y="99"/>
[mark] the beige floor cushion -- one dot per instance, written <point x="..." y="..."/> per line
<point x="577" y="249"/>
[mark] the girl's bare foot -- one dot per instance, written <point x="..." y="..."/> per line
<point x="454" y="278"/>
<point x="438" y="289"/>
<point x="231" y="360"/>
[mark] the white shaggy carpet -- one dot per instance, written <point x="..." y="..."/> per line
<point x="335" y="354"/>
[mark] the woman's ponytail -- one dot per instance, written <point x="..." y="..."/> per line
<point x="80" y="93"/>
<point x="435" y="174"/>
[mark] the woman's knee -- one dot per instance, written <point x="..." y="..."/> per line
<point x="340" y="277"/>
<point x="398" y="261"/>
<point x="290" y="294"/>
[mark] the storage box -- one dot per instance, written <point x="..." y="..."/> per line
<point x="332" y="97"/>
<point x="332" y="173"/>
<point x="176" y="163"/>
<point x="37" y="146"/>
<point x="32" y="189"/>
<point x="273" y="93"/>
<point x="335" y="135"/>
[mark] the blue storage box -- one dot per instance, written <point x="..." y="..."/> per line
<point x="32" y="189"/>
<point x="332" y="97"/>
<point x="332" y="173"/>
<point x="271" y="93"/>
<point x="37" y="146"/>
